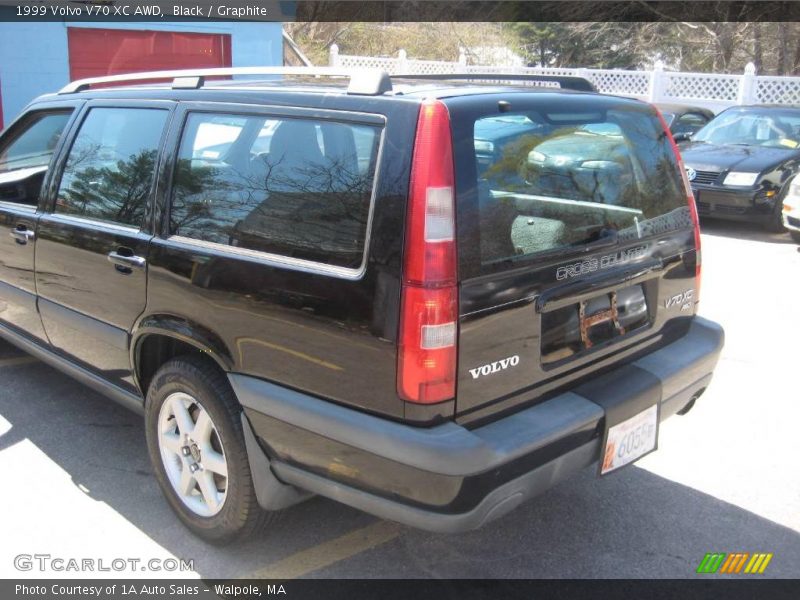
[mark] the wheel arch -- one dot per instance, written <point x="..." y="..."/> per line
<point x="159" y="338"/>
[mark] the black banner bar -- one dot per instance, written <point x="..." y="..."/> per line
<point x="397" y="11"/>
<point x="710" y="586"/>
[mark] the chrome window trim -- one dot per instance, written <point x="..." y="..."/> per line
<point x="273" y="260"/>
<point x="288" y="262"/>
<point x="31" y="208"/>
<point x="77" y="220"/>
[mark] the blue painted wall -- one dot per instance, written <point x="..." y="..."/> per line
<point x="34" y="58"/>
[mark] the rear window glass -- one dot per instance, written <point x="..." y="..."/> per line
<point x="295" y="187"/>
<point x="560" y="180"/>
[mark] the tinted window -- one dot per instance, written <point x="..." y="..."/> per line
<point x="563" y="180"/>
<point x="294" y="187"/>
<point x="110" y="167"/>
<point x="33" y="144"/>
<point x="25" y="154"/>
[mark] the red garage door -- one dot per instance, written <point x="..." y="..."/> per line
<point x="94" y="52"/>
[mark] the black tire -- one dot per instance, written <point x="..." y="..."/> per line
<point x="795" y="235"/>
<point x="240" y="515"/>
<point x="774" y="223"/>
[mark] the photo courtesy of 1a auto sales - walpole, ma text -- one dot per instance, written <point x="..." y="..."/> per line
<point x="393" y="298"/>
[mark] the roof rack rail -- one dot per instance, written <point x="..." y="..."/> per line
<point x="367" y="82"/>
<point x="565" y="82"/>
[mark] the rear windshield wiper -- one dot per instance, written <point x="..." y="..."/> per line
<point x="607" y="237"/>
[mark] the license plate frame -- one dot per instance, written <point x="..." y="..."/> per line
<point x="630" y="440"/>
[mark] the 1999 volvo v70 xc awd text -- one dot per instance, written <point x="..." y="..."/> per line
<point x="425" y="297"/>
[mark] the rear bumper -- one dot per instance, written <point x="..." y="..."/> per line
<point x="448" y="478"/>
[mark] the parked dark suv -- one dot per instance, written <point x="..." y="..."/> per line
<point x="341" y="286"/>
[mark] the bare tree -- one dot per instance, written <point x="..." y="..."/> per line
<point x="723" y="46"/>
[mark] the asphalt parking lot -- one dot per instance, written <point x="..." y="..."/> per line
<point x="78" y="483"/>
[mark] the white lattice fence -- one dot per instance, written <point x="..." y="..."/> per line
<point x="563" y="72"/>
<point x="624" y="83"/>
<point x="701" y="86"/>
<point x="778" y="90"/>
<point x="367" y="62"/>
<point x="705" y="89"/>
<point x="500" y="70"/>
<point x="431" y="67"/>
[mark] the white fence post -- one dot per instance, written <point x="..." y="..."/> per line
<point x="462" y="57"/>
<point x="402" y="61"/>
<point x="333" y="56"/>
<point x="657" y="80"/>
<point x="747" y="85"/>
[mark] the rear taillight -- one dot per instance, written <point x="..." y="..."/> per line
<point x="690" y="200"/>
<point x="696" y="222"/>
<point x="426" y="369"/>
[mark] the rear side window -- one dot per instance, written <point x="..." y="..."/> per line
<point x="560" y="180"/>
<point x="111" y="165"/>
<point x="299" y="188"/>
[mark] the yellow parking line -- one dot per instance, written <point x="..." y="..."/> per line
<point x="16" y="361"/>
<point x="328" y="553"/>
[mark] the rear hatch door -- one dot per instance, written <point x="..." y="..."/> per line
<point x="575" y="240"/>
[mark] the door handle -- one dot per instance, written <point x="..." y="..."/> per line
<point x="126" y="260"/>
<point x="22" y="234"/>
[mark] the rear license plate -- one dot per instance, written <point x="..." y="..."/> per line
<point x="630" y="440"/>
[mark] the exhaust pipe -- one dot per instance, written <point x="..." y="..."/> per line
<point x="690" y="404"/>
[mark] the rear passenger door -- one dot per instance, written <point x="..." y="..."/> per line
<point x="92" y="247"/>
<point x="26" y="151"/>
<point x="263" y="251"/>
